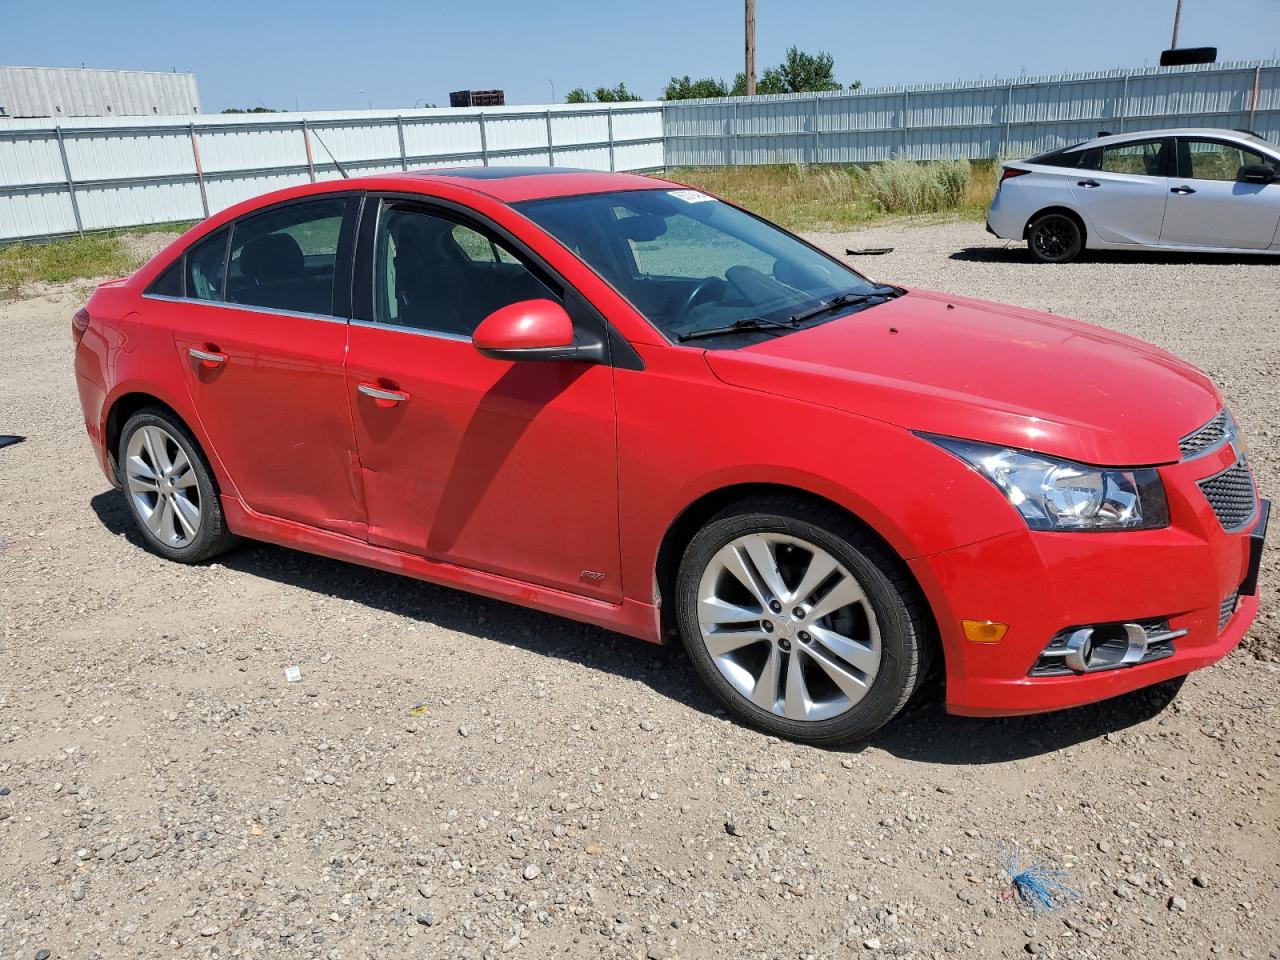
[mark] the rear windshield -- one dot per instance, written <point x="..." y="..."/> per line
<point x="1074" y="156"/>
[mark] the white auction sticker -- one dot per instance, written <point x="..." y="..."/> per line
<point x="689" y="196"/>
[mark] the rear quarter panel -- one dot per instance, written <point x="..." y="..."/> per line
<point x="123" y="352"/>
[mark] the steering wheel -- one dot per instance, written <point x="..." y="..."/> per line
<point x="701" y="290"/>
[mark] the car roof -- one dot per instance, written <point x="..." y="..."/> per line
<point x="1212" y="132"/>
<point x="509" y="184"/>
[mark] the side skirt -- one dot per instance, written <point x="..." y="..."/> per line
<point x="630" y="617"/>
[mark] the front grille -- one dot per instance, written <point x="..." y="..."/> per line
<point x="1232" y="496"/>
<point x="1226" y="611"/>
<point x="1211" y="434"/>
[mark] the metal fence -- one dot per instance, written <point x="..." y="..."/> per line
<point x="96" y="173"/>
<point x="1010" y="118"/>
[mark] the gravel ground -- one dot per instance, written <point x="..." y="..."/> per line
<point x="454" y="777"/>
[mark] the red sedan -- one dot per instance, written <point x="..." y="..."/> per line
<point x="627" y="402"/>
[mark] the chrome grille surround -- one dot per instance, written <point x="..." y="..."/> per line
<point x="1200" y="441"/>
<point x="1232" y="495"/>
<point x="1226" y="611"/>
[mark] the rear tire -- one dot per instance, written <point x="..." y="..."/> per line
<point x="169" y="488"/>
<point x="825" y="645"/>
<point x="1055" y="238"/>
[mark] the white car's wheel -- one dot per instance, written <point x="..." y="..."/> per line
<point x="1055" y="238"/>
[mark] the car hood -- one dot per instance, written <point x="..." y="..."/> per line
<point x="984" y="371"/>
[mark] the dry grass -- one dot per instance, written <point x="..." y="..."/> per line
<point x="803" y="197"/>
<point x="93" y="255"/>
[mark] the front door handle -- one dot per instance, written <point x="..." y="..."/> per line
<point x="1181" y="191"/>
<point x="383" y="394"/>
<point x="207" y="358"/>
<point x="1088" y="183"/>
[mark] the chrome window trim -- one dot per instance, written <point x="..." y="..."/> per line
<point x="432" y="334"/>
<point x="327" y="318"/>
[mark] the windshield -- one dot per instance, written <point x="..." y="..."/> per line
<point x="691" y="263"/>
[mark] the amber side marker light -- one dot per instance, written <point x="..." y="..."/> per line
<point x="984" y="631"/>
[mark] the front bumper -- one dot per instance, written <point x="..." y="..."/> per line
<point x="1042" y="583"/>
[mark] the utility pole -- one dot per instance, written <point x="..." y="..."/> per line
<point x="1177" y="18"/>
<point x="751" y="47"/>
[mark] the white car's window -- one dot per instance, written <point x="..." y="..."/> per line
<point x="435" y="274"/>
<point x="1142" y="158"/>
<point x="1209" y="160"/>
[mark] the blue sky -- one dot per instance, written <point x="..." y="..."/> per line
<point x="325" y="54"/>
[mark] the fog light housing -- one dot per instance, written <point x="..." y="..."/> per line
<point x="1094" y="648"/>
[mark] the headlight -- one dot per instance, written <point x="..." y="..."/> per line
<point x="1054" y="494"/>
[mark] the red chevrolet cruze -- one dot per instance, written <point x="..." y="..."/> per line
<point x="629" y="403"/>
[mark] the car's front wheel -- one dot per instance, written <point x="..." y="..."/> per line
<point x="169" y="488"/>
<point x="1055" y="238"/>
<point x="800" y="621"/>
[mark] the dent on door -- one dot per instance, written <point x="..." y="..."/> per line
<point x="507" y="467"/>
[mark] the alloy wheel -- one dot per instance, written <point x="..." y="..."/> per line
<point x="788" y="626"/>
<point x="1054" y="237"/>
<point x="162" y="486"/>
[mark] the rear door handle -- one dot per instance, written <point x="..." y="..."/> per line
<point x="208" y="358"/>
<point x="1181" y="191"/>
<point x="382" y="393"/>
<point x="1088" y="183"/>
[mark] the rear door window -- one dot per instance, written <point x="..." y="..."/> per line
<point x="1144" y="158"/>
<point x="206" y="267"/>
<point x="288" y="258"/>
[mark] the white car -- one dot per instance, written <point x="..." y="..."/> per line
<point x="1193" y="189"/>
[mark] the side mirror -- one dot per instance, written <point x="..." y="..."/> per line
<point x="1256" y="173"/>
<point x="527" y="330"/>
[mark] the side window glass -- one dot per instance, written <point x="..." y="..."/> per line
<point x="480" y="248"/>
<point x="1141" y="158"/>
<point x="438" y="275"/>
<point x="206" y="262"/>
<point x="1218" y="161"/>
<point x="169" y="283"/>
<point x="287" y="258"/>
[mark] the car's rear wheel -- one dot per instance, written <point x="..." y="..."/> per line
<point x="799" y="621"/>
<point x="1055" y="238"/>
<point x="170" y="489"/>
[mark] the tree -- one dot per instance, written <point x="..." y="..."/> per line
<point x="618" y="94"/>
<point x="684" y="88"/>
<point x="808" y="73"/>
<point x="250" y="110"/>
<point x="799" y="72"/>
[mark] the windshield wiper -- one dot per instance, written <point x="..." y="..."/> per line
<point x="745" y="325"/>
<point x="847" y="299"/>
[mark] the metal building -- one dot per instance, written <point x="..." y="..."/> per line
<point x="68" y="92"/>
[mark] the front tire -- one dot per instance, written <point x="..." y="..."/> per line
<point x="169" y="488"/>
<point x="1055" y="238"/>
<point x="799" y="621"/>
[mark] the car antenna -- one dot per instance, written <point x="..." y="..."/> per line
<point x="345" y="175"/>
